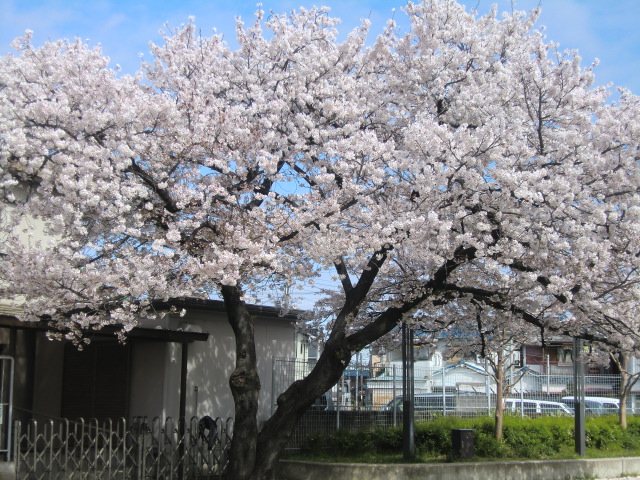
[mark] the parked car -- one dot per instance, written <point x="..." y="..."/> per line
<point x="423" y="402"/>
<point x="535" y="408"/>
<point x="596" y="405"/>
<point x="430" y="404"/>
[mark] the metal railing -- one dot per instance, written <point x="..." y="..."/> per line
<point x="368" y="396"/>
<point x="142" y="449"/>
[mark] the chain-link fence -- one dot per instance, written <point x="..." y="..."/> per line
<point x="369" y="395"/>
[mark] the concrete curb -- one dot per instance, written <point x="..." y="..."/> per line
<point x="522" y="470"/>
<point x="7" y="470"/>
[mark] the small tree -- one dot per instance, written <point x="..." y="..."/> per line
<point x="466" y="160"/>
<point x="496" y="337"/>
<point x="628" y="380"/>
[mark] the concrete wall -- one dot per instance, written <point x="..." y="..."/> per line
<point x="211" y="364"/>
<point x="530" y="470"/>
<point x="156" y="368"/>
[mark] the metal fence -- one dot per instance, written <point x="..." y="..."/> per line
<point x="6" y="405"/>
<point x="370" y="395"/>
<point x="142" y="449"/>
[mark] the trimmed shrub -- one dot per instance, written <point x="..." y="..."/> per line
<point x="524" y="438"/>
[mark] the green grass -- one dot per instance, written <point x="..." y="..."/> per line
<point x="523" y="439"/>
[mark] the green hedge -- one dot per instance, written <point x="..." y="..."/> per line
<point x="523" y="438"/>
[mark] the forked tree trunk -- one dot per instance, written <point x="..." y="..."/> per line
<point x="292" y="404"/>
<point x="254" y="455"/>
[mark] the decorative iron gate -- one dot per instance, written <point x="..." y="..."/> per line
<point x="170" y="450"/>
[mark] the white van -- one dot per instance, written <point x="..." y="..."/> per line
<point x="597" y="405"/>
<point x="534" y="408"/>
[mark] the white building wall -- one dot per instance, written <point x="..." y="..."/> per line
<point x="147" y="379"/>
<point x="30" y="231"/>
<point x="155" y="369"/>
<point x="275" y="338"/>
<point x="209" y="366"/>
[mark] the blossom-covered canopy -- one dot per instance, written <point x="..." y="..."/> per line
<point x="468" y="159"/>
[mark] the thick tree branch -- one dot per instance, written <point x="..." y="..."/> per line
<point x="343" y="274"/>
<point x="169" y="203"/>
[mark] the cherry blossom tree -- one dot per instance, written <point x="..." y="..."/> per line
<point x="496" y="337"/>
<point x="625" y="362"/>
<point x="467" y="160"/>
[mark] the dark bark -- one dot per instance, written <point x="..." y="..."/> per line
<point x="254" y="455"/>
<point x="245" y="387"/>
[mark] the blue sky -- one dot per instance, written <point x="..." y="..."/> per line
<point x="597" y="28"/>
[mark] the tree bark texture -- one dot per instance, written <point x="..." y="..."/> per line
<point x="245" y="387"/>
<point x="625" y="388"/>
<point x="254" y="454"/>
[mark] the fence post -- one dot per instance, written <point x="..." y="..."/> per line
<point x="6" y="401"/>
<point x="16" y="444"/>
<point x="339" y="401"/>
<point x="444" y="392"/>
<point x="123" y="444"/>
<point x="357" y="389"/>
<point x="141" y="449"/>
<point x="487" y="388"/>
<point x="48" y="443"/>
<point x="578" y="396"/>
<point x="110" y="454"/>
<point x="32" y="425"/>
<point x="94" y="441"/>
<point x="273" y="382"/>
<point x="395" y="406"/>
<point x="548" y="376"/>
<point x="408" y="396"/>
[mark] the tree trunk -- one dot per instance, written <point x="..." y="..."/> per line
<point x="254" y="455"/>
<point x="624" y="393"/>
<point x="292" y="404"/>
<point x="499" y="414"/>
<point x="245" y="387"/>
